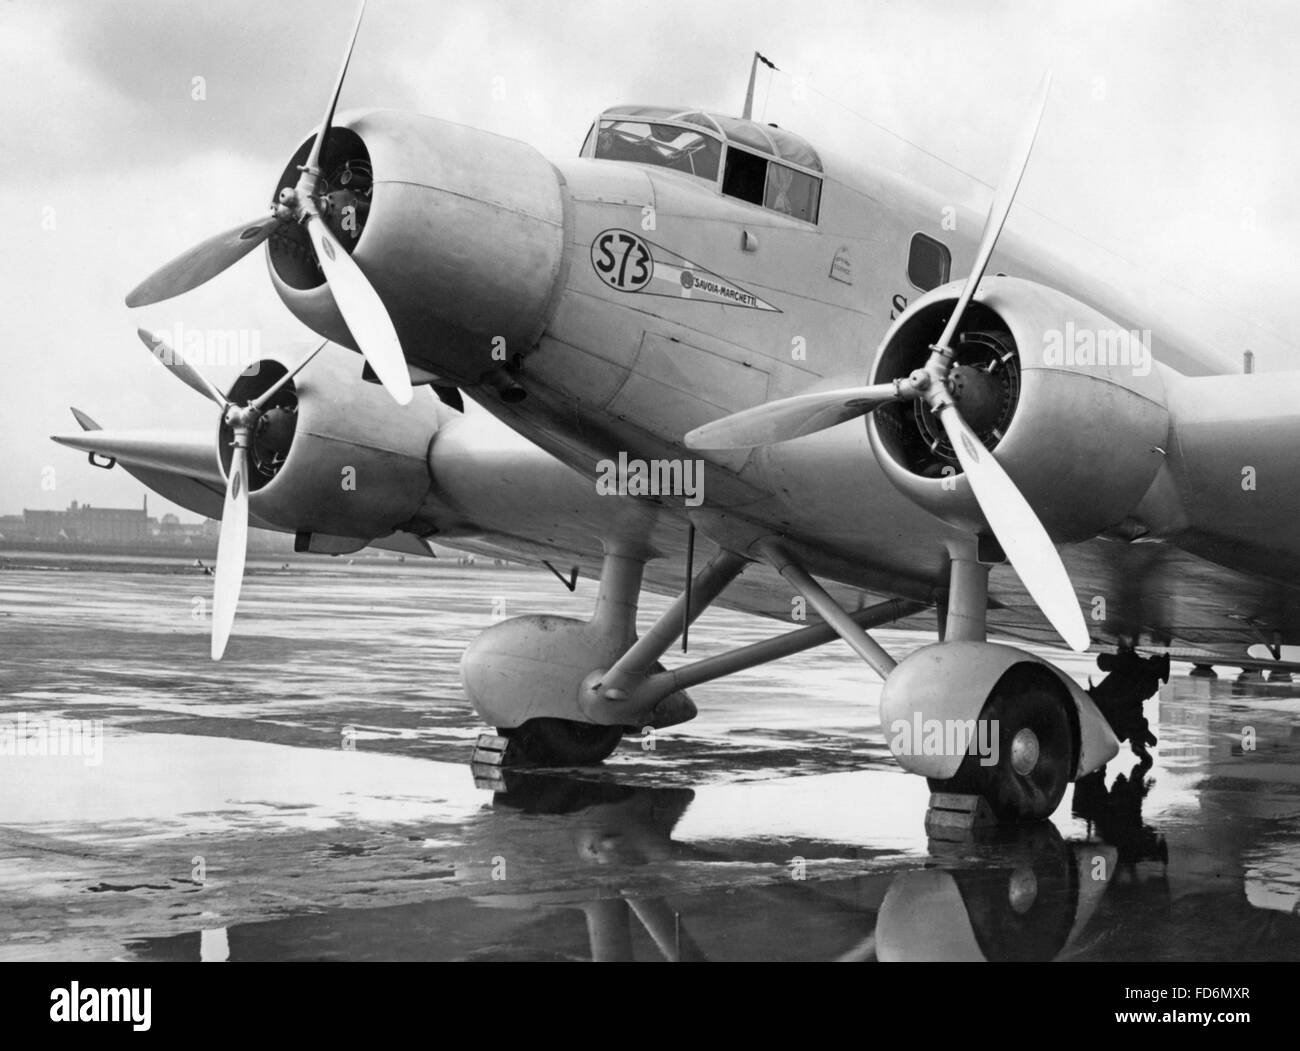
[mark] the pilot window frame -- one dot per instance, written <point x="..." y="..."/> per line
<point x="802" y="192"/>
<point x="945" y="253"/>
<point x="711" y="145"/>
<point x="771" y="166"/>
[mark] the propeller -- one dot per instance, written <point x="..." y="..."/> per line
<point x="1028" y="547"/>
<point x="232" y="542"/>
<point x="362" y="309"/>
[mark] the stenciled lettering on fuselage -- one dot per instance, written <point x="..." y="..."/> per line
<point x="629" y="263"/>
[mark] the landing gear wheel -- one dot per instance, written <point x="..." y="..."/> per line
<point x="1035" y="750"/>
<point x="563" y="742"/>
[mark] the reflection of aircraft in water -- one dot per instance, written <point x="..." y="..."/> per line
<point x="1027" y="895"/>
<point x="593" y="872"/>
<point x="1022" y="894"/>
<point x="1116" y="814"/>
<point x="611" y="825"/>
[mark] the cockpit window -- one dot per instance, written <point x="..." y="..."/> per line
<point x="763" y="165"/>
<point x="752" y="178"/>
<point x="792" y="192"/>
<point x="745" y="177"/>
<point x="663" y="145"/>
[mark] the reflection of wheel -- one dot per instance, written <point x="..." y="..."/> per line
<point x="1023" y="905"/>
<point x="563" y="742"/>
<point x="1035" y="748"/>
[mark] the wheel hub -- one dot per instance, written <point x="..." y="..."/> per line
<point x="1022" y="890"/>
<point x="1024" y="751"/>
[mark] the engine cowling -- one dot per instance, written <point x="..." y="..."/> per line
<point x="332" y="453"/>
<point x="1070" y="401"/>
<point x="460" y="231"/>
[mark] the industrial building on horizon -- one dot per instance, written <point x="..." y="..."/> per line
<point x="84" y="524"/>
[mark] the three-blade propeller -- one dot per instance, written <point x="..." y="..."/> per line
<point x="232" y="543"/>
<point x="358" y="302"/>
<point x="1028" y="547"/>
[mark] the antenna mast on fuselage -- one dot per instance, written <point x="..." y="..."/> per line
<point x="748" y="112"/>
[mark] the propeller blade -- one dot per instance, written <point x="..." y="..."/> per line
<point x="1028" y="547"/>
<point x="181" y="368"/>
<point x="84" y="420"/>
<point x="265" y="400"/>
<point x="997" y="217"/>
<point x="313" y="158"/>
<point x="201" y="263"/>
<point x="232" y="550"/>
<point x="363" y="310"/>
<point x="779" y="421"/>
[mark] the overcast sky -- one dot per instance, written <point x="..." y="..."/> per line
<point x="1170" y="140"/>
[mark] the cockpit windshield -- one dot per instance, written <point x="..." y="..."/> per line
<point x="663" y="145"/>
<point x="759" y="163"/>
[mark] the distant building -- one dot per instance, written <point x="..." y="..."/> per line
<point x="13" y="529"/>
<point x="171" y="530"/>
<point x="84" y="524"/>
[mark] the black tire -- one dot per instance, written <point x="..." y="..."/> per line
<point x="563" y="742"/>
<point x="1026" y="698"/>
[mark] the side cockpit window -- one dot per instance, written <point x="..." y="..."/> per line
<point x="792" y="192"/>
<point x="662" y="145"/>
<point x="745" y="176"/>
<point x="749" y="177"/>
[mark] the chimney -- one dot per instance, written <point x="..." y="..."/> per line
<point x="1248" y="362"/>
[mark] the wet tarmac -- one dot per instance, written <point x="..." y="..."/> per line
<point x="310" y="798"/>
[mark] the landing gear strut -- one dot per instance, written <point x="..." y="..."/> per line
<point x="563" y="692"/>
<point x="523" y="675"/>
<point x="981" y="721"/>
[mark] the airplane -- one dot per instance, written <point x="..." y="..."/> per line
<point x="721" y="362"/>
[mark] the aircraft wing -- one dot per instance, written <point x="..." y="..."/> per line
<point x="528" y="507"/>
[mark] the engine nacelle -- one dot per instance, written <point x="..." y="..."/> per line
<point x="333" y="454"/>
<point x="460" y="231"/>
<point x="1071" y="402"/>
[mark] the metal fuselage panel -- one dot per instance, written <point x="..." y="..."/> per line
<point x="632" y="372"/>
<point x="746" y="305"/>
<point x="640" y="369"/>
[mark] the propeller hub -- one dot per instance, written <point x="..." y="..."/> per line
<point x="286" y="207"/>
<point x="339" y="193"/>
<point x="241" y="418"/>
<point x="261" y="420"/>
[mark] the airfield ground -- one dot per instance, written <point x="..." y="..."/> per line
<point x="309" y="798"/>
